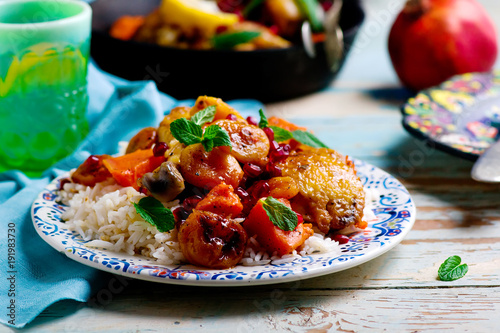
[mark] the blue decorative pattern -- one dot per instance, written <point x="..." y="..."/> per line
<point x="394" y="209"/>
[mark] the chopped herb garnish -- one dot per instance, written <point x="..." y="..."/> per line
<point x="263" y="119"/>
<point x="281" y="134"/>
<point x="280" y="215"/>
<point x="153" y="212"/>
<point x="308" y="138"/>
<point x="451" y="269"/>
<point x="186" y="131"/>
<point x="204" y="116"/>
<point x="229" y="40"/>
<point x="190" y="132"/>
<point x="215" y="136"/>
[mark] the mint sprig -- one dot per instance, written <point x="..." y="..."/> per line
<point x="190" y="132"/>
<point x="451" y="269"/>
<point x="186" y="131"/>
<point x="281" y="134"/>
<point x="280" y="215"/>
<point x="153" y="212"/>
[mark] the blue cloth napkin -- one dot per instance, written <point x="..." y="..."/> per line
<point x="35" y="275"/>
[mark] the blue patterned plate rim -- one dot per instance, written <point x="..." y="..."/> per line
<point x="394" y="209"/>
<point x="461" y="116"/>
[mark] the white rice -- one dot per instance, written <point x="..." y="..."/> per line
<point x="106" y="218"/>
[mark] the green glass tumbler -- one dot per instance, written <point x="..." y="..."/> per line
<point x="44" y="50"/>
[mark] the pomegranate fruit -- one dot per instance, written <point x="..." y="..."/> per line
<point x="432" y="40"/>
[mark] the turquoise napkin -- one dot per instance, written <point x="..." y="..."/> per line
<point x="35" y="275"/>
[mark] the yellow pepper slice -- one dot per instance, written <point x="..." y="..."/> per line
<point x="202" y="15"/>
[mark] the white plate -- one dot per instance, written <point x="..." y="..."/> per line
<point x="394" y="209"/>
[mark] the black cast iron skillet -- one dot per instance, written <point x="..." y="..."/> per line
<point x="267" y="75"/>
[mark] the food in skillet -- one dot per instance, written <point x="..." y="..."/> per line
<point x="224" y="24"/>
<point x="211" y="188"/>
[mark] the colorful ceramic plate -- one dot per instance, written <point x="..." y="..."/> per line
<point x="394" y="209"/>
<point x="461" y="116"/>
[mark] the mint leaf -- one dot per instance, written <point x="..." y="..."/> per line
<point x="451" y="269"/>
<point x="231" y="39"/>
<point x="263" y="120"/>
<point x="308" y="138"/>
<point x="153" y="212"/>
<point x="281" y="134"/>
<point x="208" y="145"/>
<point x="222" y="139"/>
<point x="280" y="215"/>
<point x="211" y="132"/>
<point x="215" y="136"/>
<point x="204" y="116"/>
<point x="187" y="132"/>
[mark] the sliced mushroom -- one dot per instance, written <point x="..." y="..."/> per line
<point x="165" y="183"/>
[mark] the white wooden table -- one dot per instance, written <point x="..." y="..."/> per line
<point x="396" y="292"/>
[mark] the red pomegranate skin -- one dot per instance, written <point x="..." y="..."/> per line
<point x="432" y="40"/>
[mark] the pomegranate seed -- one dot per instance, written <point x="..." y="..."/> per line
<point x="252" y="121"/>
<point x="273" y="170"/>
<point x="243" y="180"/>
<point x="190" y="203"/>
<point x="274" y="146"/>
<point x="341" y="239"/>
<point x="252" y="170"/>
<point x="265" y="189"/>
<point x="274" y="29"/>
<point x="261" y="189"/>
<point x="231" y="117"/>
<point x="286" y="148"/>
<point x="220" y="29"/>
<point x="159" y="149"/>
<point x="92" y="161"/>
<point x="240" y="191"/>
<point x="278" y="155"/>
<point x="270" y="133"/>
<point x="326" y="5"/>
<point x="300" y="218"/>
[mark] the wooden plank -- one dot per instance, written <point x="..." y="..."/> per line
<point x="408" y="269"/>
<point x="415" y="263"/>
<point x="285" y="309"/>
